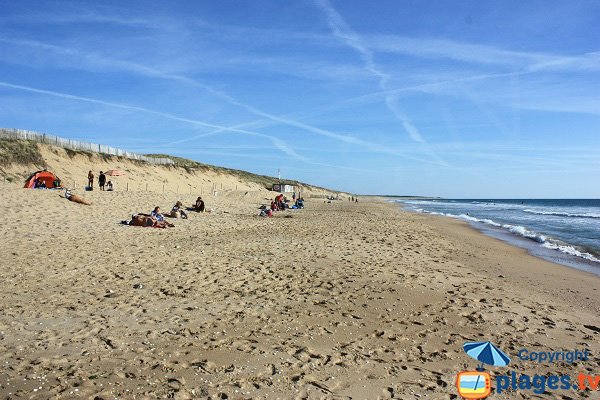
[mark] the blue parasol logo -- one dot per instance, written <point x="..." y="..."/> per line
<point x="486" y="353"/>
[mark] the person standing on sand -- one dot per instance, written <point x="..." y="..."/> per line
<point x="101" y="180"/>
<point x="91" y="179"/>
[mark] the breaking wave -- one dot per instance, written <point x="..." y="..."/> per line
<point x="518" y="230"/>
<point x="562" y="214"/>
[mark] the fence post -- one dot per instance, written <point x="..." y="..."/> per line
<point x="163" y="187"/>
<point x="146" y="187"/>
<point x="127" y="187"/>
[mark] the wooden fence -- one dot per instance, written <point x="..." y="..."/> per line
<point x="22" y="134"/>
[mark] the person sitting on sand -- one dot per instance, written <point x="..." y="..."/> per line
<point x="266" y="213"/>
<point x="177" y="211"/>
<point x="156" y="214"/>
<point x="109" y="186"/>
<point x="199" y="206"/>
<point x="40" y="184"/>
<point x="278" y="202"/>
<point x="281" y="205"/>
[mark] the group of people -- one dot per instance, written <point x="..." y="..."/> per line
<point x="41" y="184"/>
<point x="102" y="183"/>
<point x="281" y="203"/>
<point x="156" y="218"/>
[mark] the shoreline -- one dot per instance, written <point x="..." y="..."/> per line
<point x="532" y="247"/>
<point x="337" y="300"/>
<point x="461" y="230"/>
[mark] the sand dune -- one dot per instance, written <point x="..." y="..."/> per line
<point x="73" y="169"/>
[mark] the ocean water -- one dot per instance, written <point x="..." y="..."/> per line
<point x="562" y="231"/>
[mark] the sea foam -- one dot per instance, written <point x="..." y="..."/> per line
<point x="543" y="240"/>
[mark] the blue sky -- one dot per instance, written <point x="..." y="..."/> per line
<point x="445" y="98"/>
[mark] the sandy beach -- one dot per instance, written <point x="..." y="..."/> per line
<point x="385" y="200"/>
<point x="339" y="300"/>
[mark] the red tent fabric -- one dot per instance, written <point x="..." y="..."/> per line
<point x="52" y="181"/>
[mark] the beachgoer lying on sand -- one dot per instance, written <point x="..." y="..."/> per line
<point x="148" y="221"/>
<point x="76" y="199"/>
<point x="177" y="211"/>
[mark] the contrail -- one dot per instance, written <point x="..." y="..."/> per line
<point x="341" y="30"/>
<point x="151" y="72"/>
<point x="423" y="87"/>
<point x="278" y="143"/>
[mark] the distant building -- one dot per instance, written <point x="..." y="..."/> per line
<point x="283" y="188"/>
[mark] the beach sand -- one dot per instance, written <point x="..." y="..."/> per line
<point x="335" y="301"/>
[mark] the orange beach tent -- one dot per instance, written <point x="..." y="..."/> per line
<point x="52" y="181"/>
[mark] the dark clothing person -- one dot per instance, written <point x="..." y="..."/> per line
<point x="101" y="180"/>
<point x="199" y="206"/>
